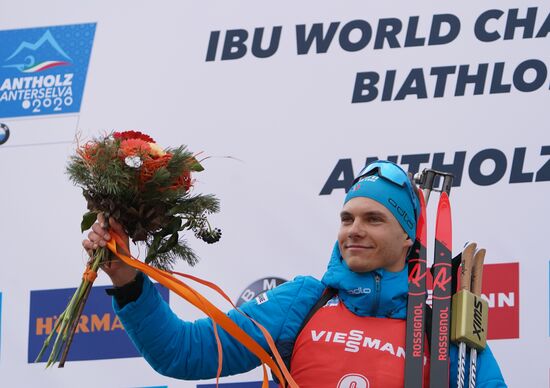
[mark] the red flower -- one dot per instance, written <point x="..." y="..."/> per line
<point x="133" y="135"/>
<point x="131" y="147"/>
<point x="150" y="166"/>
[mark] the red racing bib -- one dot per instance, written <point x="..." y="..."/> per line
<point x="339" y="349"/>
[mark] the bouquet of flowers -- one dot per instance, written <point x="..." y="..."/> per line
<point x="128" y="176"/>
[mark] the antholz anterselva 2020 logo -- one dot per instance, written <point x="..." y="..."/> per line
<point x="43" y="70"/>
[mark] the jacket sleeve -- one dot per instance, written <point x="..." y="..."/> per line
<point x="188" y="350"/>
<point x="488" y="372"/>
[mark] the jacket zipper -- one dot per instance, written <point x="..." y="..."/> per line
<point x="377" y="296"/>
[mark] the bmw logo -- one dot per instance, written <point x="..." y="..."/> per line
<point x="4" y="133"/>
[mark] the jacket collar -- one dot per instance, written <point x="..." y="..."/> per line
<point x="379" y="293"/>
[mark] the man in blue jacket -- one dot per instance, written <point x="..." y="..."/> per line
<point x="356" y="339"/>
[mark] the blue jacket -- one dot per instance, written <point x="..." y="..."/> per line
<point x="187" y="350"/>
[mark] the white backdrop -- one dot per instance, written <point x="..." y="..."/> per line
<point x="286" y="121"/>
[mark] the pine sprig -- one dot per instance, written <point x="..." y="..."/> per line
<point x="195" y="205"/>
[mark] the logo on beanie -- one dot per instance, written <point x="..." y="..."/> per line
<point x="369" y="178"/>
<point x="406" y="218"/>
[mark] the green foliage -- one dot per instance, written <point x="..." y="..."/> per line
<point x="88" y="220"/>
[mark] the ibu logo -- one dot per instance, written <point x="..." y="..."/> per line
<point x="99" y="335"/>
<point x="43" y="70"/>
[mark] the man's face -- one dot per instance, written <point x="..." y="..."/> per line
<point x="370" y="237"/>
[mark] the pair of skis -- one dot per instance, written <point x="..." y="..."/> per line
<point x="442" y="291"/>
<point x="469" y="324"/>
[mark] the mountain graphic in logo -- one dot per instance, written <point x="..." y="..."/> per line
<point x="34" y="57"/>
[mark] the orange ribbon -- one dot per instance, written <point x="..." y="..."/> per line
<point x="89" y="275"/>
<point x="120" y="249"/>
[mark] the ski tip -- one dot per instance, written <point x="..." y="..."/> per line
<point x="443" y="224"/>
<point x="444" y="199"/>
<point x="421" y="199"/>
<point x="444" y="205"/>
<point x="470" y="248"/>
<point x="479" y="256"/>
<point x="421" y="230"/>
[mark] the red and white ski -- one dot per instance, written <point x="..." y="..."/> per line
<point x="441" y="297"/>
<point x="416" y="307"/>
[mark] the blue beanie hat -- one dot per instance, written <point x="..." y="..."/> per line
<point x="388" y="184"/>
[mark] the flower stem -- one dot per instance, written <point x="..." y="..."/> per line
<point x="72" y="330"/>
<point x="70" y="318"/>
<point x="66" y="318"/>
<point x="48" y="339"/>
<point x="83" y="298"/>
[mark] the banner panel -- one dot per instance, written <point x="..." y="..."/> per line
<point x="44" y="69"/>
